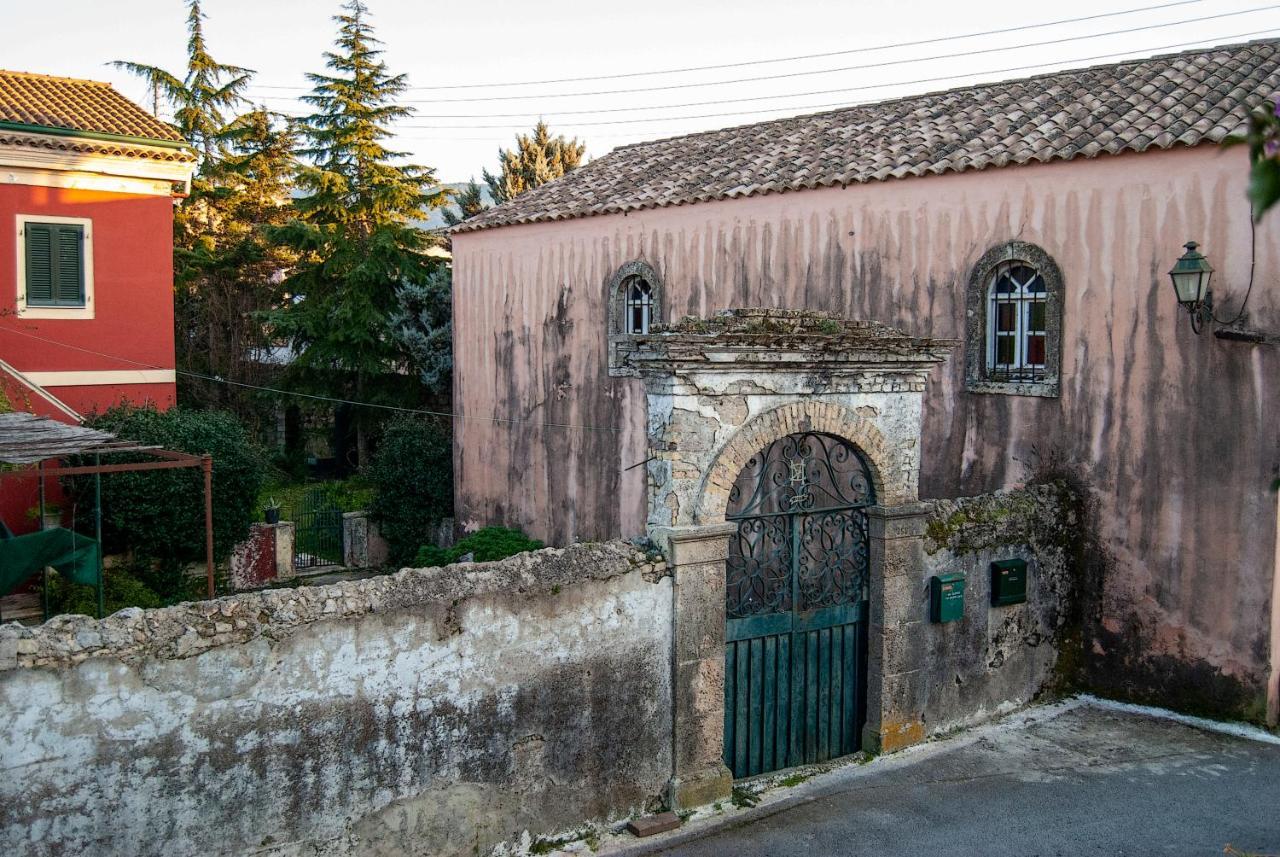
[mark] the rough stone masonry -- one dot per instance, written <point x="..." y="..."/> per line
<point x="433" y="711"/>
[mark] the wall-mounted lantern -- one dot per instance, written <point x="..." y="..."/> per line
<point x="1190" y="276"/>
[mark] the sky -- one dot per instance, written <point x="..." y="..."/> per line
<point x="480" y="69"/>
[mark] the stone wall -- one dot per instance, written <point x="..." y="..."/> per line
<point x="1000" y="658"/>
<point x="434" y="711"/>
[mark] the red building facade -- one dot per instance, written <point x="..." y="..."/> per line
<point x="88" y="182"/>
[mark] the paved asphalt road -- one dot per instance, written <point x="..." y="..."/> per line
<point x="1086" y="781"/>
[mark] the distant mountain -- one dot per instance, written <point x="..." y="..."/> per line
<point x="437" y="221"/>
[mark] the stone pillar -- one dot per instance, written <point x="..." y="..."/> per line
<point x="697" y="558"/>
<point x="284" y="549"/>
<point x="253" y="561"/>
<point x="896" y="692"/>
<point x="362" y="543"/>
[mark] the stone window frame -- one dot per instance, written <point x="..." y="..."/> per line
<point x="616" y="298"/>
<point x="977" y="305"/>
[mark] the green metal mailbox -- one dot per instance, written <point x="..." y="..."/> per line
<point x="946" y="597"/>
<point x="1008" y="582"/>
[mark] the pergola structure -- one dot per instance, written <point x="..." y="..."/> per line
<point x="27" y="439"/>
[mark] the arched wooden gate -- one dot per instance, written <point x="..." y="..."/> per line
<point x="796" y="605"/>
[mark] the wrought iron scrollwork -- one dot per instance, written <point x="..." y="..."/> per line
<point x="802" y="530"/>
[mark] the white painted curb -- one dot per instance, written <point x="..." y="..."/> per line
<point x="1238" y="730"/>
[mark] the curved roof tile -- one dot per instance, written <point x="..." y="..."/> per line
<point x="1194" y="97"/>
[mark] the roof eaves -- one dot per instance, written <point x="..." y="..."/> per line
<point x="55" y="131"/>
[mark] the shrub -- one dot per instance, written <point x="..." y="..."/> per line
<point x="121" y="589"/>
<point x="160" y="513"/>
<point x="489" y="544"/>
<point x="412" y="474"/>
<point x="349" y="495"/>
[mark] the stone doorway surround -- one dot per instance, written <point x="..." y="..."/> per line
<point x="718" y="390"/>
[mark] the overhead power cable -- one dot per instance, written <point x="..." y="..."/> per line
<point x="746" y="63"/>
<point x="840" y="69"/>
<point x="840" y="104"/>
<point x="562" y="113"/>
<point x="330" y="399"/>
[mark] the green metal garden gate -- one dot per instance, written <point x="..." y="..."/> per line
<point x="796" y="605"/>
<point x="318" y="530"/>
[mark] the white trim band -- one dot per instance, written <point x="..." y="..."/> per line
<point x="96" y="378"/>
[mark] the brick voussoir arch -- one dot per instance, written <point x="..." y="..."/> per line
<point x="887" y="473"/>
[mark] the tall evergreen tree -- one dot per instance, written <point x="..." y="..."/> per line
<point x="354" y="227"/>
<point x="231" y="267"/>
<point x="423" y="324"/>
<point x="537" y="159"/>
<point x="470" y="202"/>
<point x="226" y="269"/>
<point x="202" y="97"/>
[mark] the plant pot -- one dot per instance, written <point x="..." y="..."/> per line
<point x="271" y="516"/>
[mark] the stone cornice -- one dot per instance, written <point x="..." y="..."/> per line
<point x="776" y="339"/>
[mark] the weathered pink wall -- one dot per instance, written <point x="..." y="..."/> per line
<point x="1176" y="435"/>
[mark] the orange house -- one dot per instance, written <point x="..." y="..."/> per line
<point x="88" y="182"/>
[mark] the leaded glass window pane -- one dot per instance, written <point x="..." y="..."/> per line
<point x="1016" y="342"/>
<point x="639" y="309"/>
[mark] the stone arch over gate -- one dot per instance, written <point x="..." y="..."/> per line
<point x="890" y="469"/>
<point x="718" y="391"/>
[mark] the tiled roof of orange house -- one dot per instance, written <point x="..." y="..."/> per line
<point x="37" y="103"/>
<point x="1199" y="96"/>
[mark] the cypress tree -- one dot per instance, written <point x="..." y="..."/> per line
<point x="536" y="159"/>
<point x="354" y="229"/>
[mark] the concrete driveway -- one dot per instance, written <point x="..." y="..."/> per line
<point x="1073" y="779"/>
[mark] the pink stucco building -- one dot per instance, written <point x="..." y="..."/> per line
<point x="1034" y="221"/>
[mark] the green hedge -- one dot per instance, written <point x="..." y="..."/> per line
<point x="487" y="545"/>
<point x="121" y="588"/>
<point x="159" y="514"/>
<point x="412" y="474"/>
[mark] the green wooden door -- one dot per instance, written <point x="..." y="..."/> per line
<point x="796" y="605"/>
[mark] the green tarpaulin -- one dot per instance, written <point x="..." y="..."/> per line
<point x="73" y="555"/>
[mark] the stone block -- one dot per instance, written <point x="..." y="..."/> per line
<point x="898" y="648"/>
<point x="897" y="557"/>
<point x="892" y="735"/>
<point x="699" y="611"/>
<point x="903" y="598"/>
<point x="905" y="521"/>
<point x="902" y="696"/>
<point x="9" y="653"/>
<point x="653" y="824"/>
<point x="699" y="788"/>
<point x="699" y="713"/>
<point x="285" y="540"/>
<point x="694" y="545"/>
<point x="362" y="543"/>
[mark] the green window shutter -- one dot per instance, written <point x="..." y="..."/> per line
<point x="39" y="264"/>
<point x="70" y="267"/>
<point x="55" y="264"/>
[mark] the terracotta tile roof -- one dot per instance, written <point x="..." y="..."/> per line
<point x="73" y="105"/>
<point x="81" y="145"/>
<point x="1199" y="96"/>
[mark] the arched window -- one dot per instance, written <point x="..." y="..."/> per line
<point x="1014" y="322"/>
<point x="639" y="308"/>
<point x="634" y="294"/>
